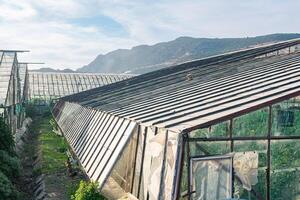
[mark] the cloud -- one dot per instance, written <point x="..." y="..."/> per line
<point x="16" y="11"/>
<point x="58" y="33"/>
<point x="205" y="18"/>
<point x="53" y="40"/>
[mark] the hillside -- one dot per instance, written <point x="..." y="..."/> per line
<point x="145" y="58"/>
<point x="48" y="69"/>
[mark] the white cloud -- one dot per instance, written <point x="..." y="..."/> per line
<point x="205" y="18"/>
<point x="16" y="11"/>
<point x="44" y="27"/>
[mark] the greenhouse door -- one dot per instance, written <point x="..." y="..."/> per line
<point x="211" y="178"/>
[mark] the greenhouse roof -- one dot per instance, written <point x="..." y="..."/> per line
<point x="199" y="93"/>
<point x="54" y="85"/>
<point x="6" y="70"/>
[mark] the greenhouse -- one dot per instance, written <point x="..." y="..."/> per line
<point x="23" y="73"/>
<point x="47" y="86"/>
<point x="222" y="127"/>
<point x="11" y="85"/>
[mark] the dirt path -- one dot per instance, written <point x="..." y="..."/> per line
<point x="43" y="160"/>
<point x="28" y="157"/>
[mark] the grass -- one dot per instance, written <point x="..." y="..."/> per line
<point x="53" y="158"/>
<point x="52" y="147"/>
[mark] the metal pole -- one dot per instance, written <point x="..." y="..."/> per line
<point x="188" y="165"/>
<point x="269" y="152"/>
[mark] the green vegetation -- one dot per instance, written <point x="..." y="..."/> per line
<point x="9" y="164"/>
<point x="285" y="154"/>
<point x="6" y="139"/>
<point x="53" y="164"/>
<point x="87" y="191"/>
<point x="286" y="119"/>
<point x="53" y="156"/>
<point x="7" y="189"/>
<point x="251" y="124"/>
<point x="53" y="148"/>
<point x="217" y="130"/>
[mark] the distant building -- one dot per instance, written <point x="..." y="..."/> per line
<point x="45" y="87"/>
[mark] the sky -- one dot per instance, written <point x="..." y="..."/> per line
<point x="71" y="33"/>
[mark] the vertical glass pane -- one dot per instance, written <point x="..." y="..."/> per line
<point x="217" y="130"/>
<point x="286" y="117"/>
<point x="258" y="179"/>
<point x="211" y="178"/>
<point x="285" y="166"/>
<point x="251" y="124"/>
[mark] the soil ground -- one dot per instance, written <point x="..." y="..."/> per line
<point x="49" y="150"/>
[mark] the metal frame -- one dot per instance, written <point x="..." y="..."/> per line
<point x="230" y="138"/>
<point x="204" y="158"/>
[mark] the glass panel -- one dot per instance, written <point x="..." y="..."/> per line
<point x="217" y="130"/>
<point x="286" y="117"/>
<point x="259" y="187"/>
<point x="252" y="124"/>
<point x="211" y="178"/>
<point x="285" y="166"/>
<point x="209" y="148"/>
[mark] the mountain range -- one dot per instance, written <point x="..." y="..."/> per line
<point x="146" y="58"/>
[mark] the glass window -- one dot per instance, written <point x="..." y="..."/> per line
<point x="258" y="175"/>
<point x="286" y="117"/>
<point x="209" y="148"/>
<point x="285" y="165"/>
<point x="211" y="178"/>
<point x="251" y="124"/>
<point x="217" y="130"/>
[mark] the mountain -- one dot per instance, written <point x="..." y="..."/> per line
<point x="145" y="58"/>
<point x="48" y="69"/>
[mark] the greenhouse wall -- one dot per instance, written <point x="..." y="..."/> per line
<point x="11" y="88"/>
<point x="121" y="156"/>
<point x="265" y="147"/>
<point x="146" y="167"/>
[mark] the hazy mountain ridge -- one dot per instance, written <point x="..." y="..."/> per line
<point x="48" y="69"/>
<point x="145" y="58"/>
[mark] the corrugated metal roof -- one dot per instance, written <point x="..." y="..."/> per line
<point x="47" y="85"/>
<point x="200" y="92"/>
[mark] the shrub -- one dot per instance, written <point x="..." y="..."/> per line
<point x="53" y="124"/>
<point x="71" y="189"/>
<point x="37" y="171"/>
<point x="46" y="112"/>
<point x="87" y="191"/>
<point x="31" y="110"/>
<point x="10" y="165"/>
<point x="7" y="190"/>
<point x="6" y="138"/>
